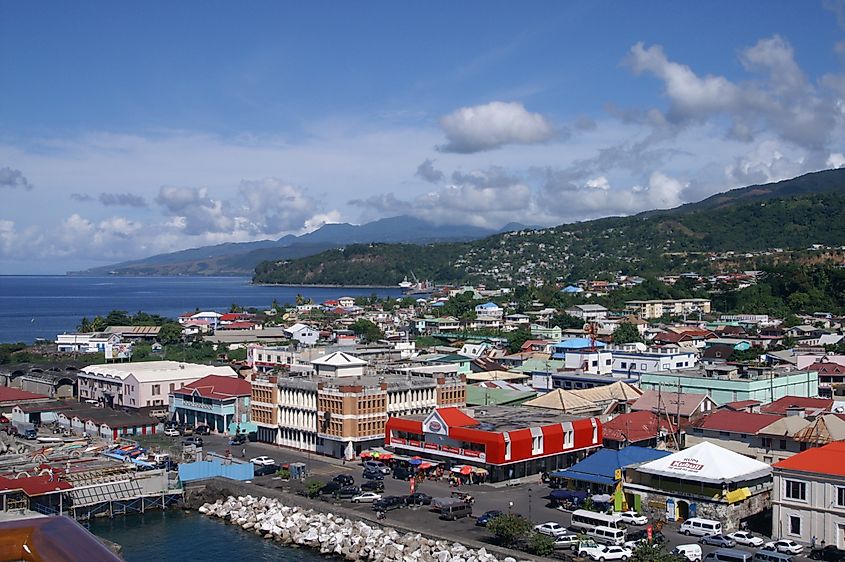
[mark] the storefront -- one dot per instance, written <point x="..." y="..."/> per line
<point x="506" y="442"/>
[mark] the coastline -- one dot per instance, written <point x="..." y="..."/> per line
<point x="211" y="490"/>
<point x="325" y="286"/>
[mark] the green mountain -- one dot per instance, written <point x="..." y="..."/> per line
<point x="766" y="221"/>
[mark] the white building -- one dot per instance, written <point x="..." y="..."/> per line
<point x="808" y="499"/>
<point x="637" y="358"/>
<point x="94" y="342"/>
<point x="306" y="335"/>
<point x="584" y="355"/>
<point x="137" y="385"/>
<point x="339" y="364"/>
<point x="588" y="312"/>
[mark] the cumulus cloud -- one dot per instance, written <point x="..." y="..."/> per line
<point x="428" y="172"/>
<point x="81" y="197"/>
<point x="493" y="125"/>
<point x="270" y="206"/>
<point x="780" y="101"/>
<point x="11" y="178"/>
<point x="835" y="160"/>
<point x="195" y="211"/>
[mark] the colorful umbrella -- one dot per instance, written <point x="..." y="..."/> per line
<point x="415" y="461"/>
<point x="466" y="469"/>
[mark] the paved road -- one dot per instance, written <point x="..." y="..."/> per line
<point x="528" y="500"/>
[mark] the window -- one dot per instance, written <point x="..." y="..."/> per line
<point x="767" y="442"/>
<point x="623" y="365"/>
<point x="537" y="445"/>
<point x="794" y="525"/>
<point x="156" y="390"/>
<point x="796" y="490"/>
<point x="840" y="496"/>
<point x="783" y="444"/>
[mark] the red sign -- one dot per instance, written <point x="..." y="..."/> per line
<point x="648" y="532"/>
<point x="413" y="443"/>
<point x="413" y="484"/>
<point x="398" y="440"/>
<point x="469" y="453"/>
<point x="450" y="449"/>
<point x="432" y="446"/>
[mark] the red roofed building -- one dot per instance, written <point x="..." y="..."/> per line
<point x="808" y="499"/>
<point x="787" y="404"/>
<point x="641" y="428"/>
<point x="221" y="403"/>
<point x="830" y="374"/>
<point x="508" y="442"/>
<point x="14" y="396"/>
<point x="33" y="492"/>
<point x="240" y="325"/>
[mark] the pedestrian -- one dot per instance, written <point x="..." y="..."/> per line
<point x="813" y="542"/>
<point x="243" y="453"/>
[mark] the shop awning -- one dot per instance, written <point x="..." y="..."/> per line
<point x="583" y="477"/>
<point x="738" y="495"/>
<point x="707" y="463"/>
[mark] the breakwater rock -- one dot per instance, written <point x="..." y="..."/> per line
<point x="352" y="540"/>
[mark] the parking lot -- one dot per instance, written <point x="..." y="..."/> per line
<point x="527" y="499"/>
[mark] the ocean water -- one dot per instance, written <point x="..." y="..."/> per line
<point x="44" y="306"/>
<point x="176" y="535"/>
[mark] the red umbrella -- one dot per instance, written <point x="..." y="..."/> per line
<point x="466" y="469"/>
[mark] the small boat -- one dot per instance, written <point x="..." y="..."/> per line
<point x="50" y="439"/>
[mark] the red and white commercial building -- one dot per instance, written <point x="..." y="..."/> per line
<point x="509" y="442"/>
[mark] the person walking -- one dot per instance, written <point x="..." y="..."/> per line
<point x="243" y="453"/>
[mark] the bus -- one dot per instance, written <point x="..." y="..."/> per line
<point x="586" y="520"/>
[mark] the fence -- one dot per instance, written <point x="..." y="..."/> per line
<point x="215" y="465"/>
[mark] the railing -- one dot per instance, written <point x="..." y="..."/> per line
<point x="44" y="509"/>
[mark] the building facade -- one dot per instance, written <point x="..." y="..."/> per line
<point x="221" y="403"/>
<point x="632" y="360"/>
<point x="508" y="442"/>
<point x="808" y="499"/>
<point x="667" y="307"/>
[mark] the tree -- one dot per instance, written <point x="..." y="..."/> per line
<point x="654" y="552"/>
<point x="84" y="325"/>
<point x="566" y="321"/>
<point x="516" y="339"/>
<point x="235" y="308"/>
<point x="540" y="544"/>
<point x="366" y="330"/>
<point x="626" y="333"/>
<point x="509" y="528"/>
<point x="314" y="487"/>
<point x="170" y="333"/>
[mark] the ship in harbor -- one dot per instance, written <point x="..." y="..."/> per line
<point x="416" y="288"/>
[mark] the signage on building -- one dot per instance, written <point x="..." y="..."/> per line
<point x="687" y="465"/>
<point x="434" y="424"/>
<point x="118" y="350"/>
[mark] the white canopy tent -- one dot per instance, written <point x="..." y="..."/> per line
<point x="707" y="463"/>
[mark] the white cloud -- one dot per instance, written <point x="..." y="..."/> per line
<point x="835" y="160"/>
<point x="493" y="125"/>
<point x="598" y="183"/>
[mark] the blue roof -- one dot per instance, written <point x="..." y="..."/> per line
<point x="572" y="289"/>
<point x="439" y="304"/>
<point x="601" y="466"/>
<point x="488" y="305"/>
<point x="577" y="343"/>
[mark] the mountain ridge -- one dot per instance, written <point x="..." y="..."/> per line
<point x="791" y="214"/>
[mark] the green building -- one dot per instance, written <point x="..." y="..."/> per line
<point x="730" y="383"/>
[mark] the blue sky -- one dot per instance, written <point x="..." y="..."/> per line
<point x="133" y="129"/>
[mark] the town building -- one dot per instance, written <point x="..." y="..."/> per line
<point x="731" y="383"/>
<point x="808" y="498"/>
<point x="588" y="356"/>
<point x="635" y="359"/>
<point x="587" y="312"/>
<point x="704" y="480"/>
<point x="600" y="473"/>
<point x="680" y="409"/>
<point x="305" y="335"/>
<point x="507" y="442"/>
<point x="342" y="416"/>
<point x="221" y="403"/>
<point x="667" y="307"/>
<point x="136" y="385"/>
<point x="93" y="342"/>
<point x="339" y="364"/>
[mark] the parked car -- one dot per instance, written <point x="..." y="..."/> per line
<point x="784" y="545"/>
<point x="373" y="486"/>
<point x="722" y="541"/>
<point x="633" y="518"/>
<point x="828" y="554"/>
<point x="238" y="439"/>
<point x="418" y="498"/>
<point x="586" y="548"/>
<point x="330" y="488"/>
<point x="262" y="460"/>
<point x="567" y="542"/>
<point x="746" y="538"/>
<point x="187" y="430"/>
<point x="172" y="432"/>
<point x="366" y="497"/>
<point x="188" y="441"/>
<point x="376" y="465"/>
<point x="603" y="553"/>
<point x="369" y="474"/>
<point x="634" y="538"/>
<point x="347" y="492"/>
<point x="264" y="469"/>
<point x="400" y="473"/>
<point x="202" y="430"/>
<point x="551" y="529"/>
<point x="486" y="517"/>
<point x="388" y="503"/>
<point x="692" y="552"/>
<point x="344" y="480"/>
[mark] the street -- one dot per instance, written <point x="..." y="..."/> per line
<point x="528" y="500"/>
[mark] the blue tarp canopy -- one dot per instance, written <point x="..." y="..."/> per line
<point x="601" y="466"/>
<point x="568" y="495"/>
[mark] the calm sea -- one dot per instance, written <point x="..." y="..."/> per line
<point x="176" y="535"/>
<point x="43" y="306"/>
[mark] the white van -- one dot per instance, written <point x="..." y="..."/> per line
<point x="607" y="535"/>
<point x="691" y="552"/>
<point x="728" y="555"/>
<point x="700" y="527"/>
